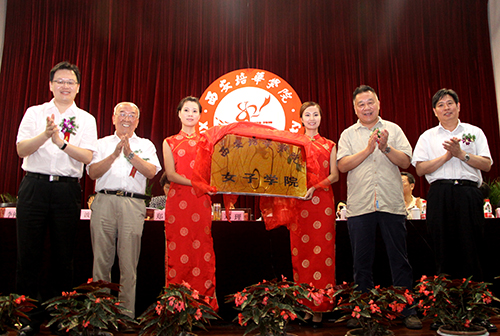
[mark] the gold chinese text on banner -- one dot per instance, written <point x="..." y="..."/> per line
<point x="251" y="166"/>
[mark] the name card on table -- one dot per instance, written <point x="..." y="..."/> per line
<point x="159" y="215"/>
<point x="8" y="212"/>
<point x="85" y="214"/>
<point x="236" y="215"/>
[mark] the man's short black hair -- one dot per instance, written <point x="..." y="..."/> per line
<point x="361" y="89"/>
<point x="65" y="66"/>
<point x="443" y="92"/>
<point x="411" y="178"/>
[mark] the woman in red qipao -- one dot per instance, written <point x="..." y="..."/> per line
<point x="313" y="238"/>
<point x="189" y="253"/>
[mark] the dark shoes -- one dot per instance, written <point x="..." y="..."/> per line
<point x="305" y="322"/>
<point x="482" y="323"/>
<point x="412" y="322"/>
<point x="126" y="329"/>
<point x="317" y="325"/>
<point x="310" y="323"/>
<point x="58" y="330"/>
<point x="353" y="323"/>
<point x="435" y="325"/>
<point x="486" y="324"/>
<point x="27" y="331"/>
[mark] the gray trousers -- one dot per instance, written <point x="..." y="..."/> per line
<point x="116" y="225"/>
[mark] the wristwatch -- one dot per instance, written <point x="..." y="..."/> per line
<point x="64" y="145"/>
<point x="131" y="156"/>
<point x="387" y="150"/>
<point x="467" y="157"/>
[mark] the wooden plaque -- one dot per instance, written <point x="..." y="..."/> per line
<point x="253" y="166"/>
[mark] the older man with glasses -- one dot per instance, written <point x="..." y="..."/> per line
<point x="121" y="166"/>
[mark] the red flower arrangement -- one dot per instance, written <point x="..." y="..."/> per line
<point x="13" y="307"/>
<point x="376" y="309"/>
<point x="454" y="303"/>
<point x="88" y="309"/>
<point x="269" y="305"/>
<point x="178" y="309"/>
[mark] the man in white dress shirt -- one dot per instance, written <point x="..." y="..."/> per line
<point x="452" y="156"/>
<point x="121" y="166"/>
<point x="54" y="140"/>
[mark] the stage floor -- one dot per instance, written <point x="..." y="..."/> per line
<point x="329" y="329"/>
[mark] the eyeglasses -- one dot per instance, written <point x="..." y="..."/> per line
<point x="61" y="82"/>
<point x="124" y="115"/>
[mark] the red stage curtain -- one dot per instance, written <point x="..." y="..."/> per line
<point x="155" y="52"/>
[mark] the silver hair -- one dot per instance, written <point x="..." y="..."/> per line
<point x="128" y="103"/>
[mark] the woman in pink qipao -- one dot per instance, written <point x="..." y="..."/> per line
<point x="189" y="253"/>
<point x="313" y="238"/>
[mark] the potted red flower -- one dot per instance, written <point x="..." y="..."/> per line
<point x="375" y="310"/>
<point x="455" y="303"/>
<point x="179" y="308"/>
<point x="89" y="309"/>
<point x="13" y="307"/>
<point x="269" y="305"/>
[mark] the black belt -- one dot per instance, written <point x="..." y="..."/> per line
<point x="123" y="193"/>
<point x="456" y="182"/>
<point x="52" y="178"/>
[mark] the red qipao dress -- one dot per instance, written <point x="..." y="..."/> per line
<point x="312" y="240"/>
<point x="189" y="253"/>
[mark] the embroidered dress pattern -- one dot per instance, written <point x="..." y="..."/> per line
<point x="312" y="240"/>
<point x="189" y="253"/>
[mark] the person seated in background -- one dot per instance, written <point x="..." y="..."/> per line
<point x="340" y="205"/>
<point x="158" y="202"/>
<point x="410" y="200"/>
<point x="90" y="199"/>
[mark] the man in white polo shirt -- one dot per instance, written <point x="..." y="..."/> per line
<point x="122" y="164"/>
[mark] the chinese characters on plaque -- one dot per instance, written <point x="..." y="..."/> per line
<point x="253" y="166"/>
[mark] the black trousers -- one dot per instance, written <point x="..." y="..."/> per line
<point x="455" y="222"/>
<point x="46" y="207"/>
<point x="362" y="232"/>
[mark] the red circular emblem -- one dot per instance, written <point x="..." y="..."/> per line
<point x="250" y="95"/>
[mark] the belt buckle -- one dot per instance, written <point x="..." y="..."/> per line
<point x="120" y="193"/>
<point x="53" y="178"/>
<point x="456" y="182"/>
